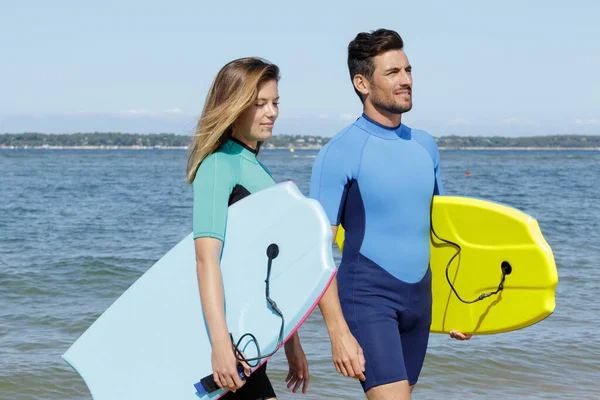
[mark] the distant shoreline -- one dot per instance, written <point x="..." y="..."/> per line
<point x="93" y="147"/>
<point x="169" y="141"/>
<point x="441" y="148"/>
<point x="522" y="148"/>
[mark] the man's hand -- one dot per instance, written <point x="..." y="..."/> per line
<point x="460" y="336"/>
<point x="348" y="356"/>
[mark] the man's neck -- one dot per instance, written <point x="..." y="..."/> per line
<point x="382" y="117"/>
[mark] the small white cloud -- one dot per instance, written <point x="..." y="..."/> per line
<point x="510" y="121"/>
<point x="592" y="121"/>
<point x="458" y="122"/>
<point x="135" y="111"/>
<point x="517" y="121"/>
<point x="323" y="117"/>
<point x="348" y="117"/>
<point x="142" y="112"/>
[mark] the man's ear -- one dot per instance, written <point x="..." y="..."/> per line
<point x="361" y="84"/>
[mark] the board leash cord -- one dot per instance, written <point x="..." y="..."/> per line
<point x="505" y="267"/>
<point x="208" y="384"/>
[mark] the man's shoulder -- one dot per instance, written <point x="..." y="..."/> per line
<point x="421" y="134"/>
<point x="351" y="137"/>
<point x="424" y="138"/>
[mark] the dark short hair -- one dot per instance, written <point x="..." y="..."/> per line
<point x="365" y="47"/>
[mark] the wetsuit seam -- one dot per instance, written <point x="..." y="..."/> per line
<point x="428" y="154"/>
<point x="321" y="176"/>
<point x="362" y="151"/>
<point x="335" y="140"/>
<point x="241" y="169"/>
<point x="264" y="167"/>
<point x="215" y="175"/>
<point x="373" y="134"/>
<point x="416" y="316"/>
<point x="356" y="262"/>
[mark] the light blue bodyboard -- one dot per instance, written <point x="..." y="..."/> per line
<point x="152" y="342"/>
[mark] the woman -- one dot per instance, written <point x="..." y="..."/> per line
<point x="240" y="110"/>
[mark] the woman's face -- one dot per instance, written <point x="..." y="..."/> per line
<point x="256" y="123"/>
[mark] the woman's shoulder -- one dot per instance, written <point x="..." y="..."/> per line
<point x="220" y="157"/>
<point x="217" y="164"/>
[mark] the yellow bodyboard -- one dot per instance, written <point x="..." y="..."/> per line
<point x="489" y="234"/>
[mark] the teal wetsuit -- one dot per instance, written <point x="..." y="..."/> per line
<point x="224" y="177"/>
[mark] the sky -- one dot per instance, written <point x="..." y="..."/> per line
<point x="505" y="68"/>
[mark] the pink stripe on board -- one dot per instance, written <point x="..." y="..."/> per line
<point x="313" y="306"/>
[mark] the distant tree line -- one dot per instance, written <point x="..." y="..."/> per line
<point x="131" y="139"/>
<point x="298" y="141"/>
<point x="563" y="141"/>
<point x="110" y="139"/>
<point x="93" y="139"/>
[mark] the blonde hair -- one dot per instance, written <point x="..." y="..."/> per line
<point x="232" y="92"/>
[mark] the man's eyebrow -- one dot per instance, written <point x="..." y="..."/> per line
<point x="391" y="69"/>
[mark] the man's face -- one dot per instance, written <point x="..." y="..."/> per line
<point x="390" y="87"/>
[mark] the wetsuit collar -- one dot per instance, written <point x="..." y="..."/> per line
<point x="377" y="129"/>
<point x="242" y="149"/>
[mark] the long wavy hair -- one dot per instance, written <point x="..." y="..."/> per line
<point x="232" y="92"/>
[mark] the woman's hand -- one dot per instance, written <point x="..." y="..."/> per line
<point x="298" y="373"/>
<point x="224" y="365"/>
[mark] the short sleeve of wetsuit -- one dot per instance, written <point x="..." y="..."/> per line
<point x="212" y="185"/>
<point x="335" y="167"/>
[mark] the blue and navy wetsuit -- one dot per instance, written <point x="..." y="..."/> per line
<point x="378" y="182"/>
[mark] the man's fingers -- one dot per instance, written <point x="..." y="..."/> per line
<point x="342" y="368"/>
<point x="361" y="359"/>
<point x="459" y="335"/>
<point x="337" y="368"/>
<point x="350" y="368"/>
<point x="358" y="371"/>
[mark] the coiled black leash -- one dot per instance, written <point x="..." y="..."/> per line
<point x="208" y="384"/>
<point x="505" y="267"/>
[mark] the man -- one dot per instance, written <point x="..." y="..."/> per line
<point x="377" y="178"/>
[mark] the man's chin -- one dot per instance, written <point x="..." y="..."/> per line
<point x="404" y="107"/>
<point x="400" y="109"/>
